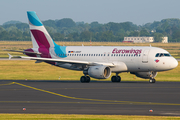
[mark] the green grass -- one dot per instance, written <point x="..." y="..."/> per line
<point x="81" y="117"/>
<point x="28" y="69"/>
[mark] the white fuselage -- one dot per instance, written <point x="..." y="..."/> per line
<point x="125" y="59"/>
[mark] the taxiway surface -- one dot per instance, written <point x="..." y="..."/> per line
<point x="73" y="97"/>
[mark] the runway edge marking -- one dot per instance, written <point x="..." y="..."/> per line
<point x="112" y="101"/>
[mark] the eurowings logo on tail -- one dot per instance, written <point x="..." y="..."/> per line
<point x="42" y="41"/>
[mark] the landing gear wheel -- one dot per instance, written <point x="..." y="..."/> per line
<point x="152" y="80"/>
<point x="88" y="79"/>
<point x="85" y="79"/>
<point x="118" y="78"/>
<point x="115" y="79"/>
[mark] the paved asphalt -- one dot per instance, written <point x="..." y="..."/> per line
<point x="73" y="97"/>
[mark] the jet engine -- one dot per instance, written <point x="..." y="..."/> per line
<point x="99" y="72"/>
<point x="146" y="75"/>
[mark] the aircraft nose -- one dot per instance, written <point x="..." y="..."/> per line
<point x="174" y="63"/>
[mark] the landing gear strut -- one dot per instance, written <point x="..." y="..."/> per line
<point x="85" y="79"/>
<point x="116" y="78"/>
<point x="152" y="80"/>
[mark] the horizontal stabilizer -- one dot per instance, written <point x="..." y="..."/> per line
<point x="23" y="51"/>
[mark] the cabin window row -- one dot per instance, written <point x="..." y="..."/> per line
<point x="100" y="55"/>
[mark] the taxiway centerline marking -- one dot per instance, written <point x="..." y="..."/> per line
<point x="97" y="100"/>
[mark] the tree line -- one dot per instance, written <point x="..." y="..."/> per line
<point x="68" y="30"/>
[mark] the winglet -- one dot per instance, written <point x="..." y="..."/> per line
<point x="10" y="56"/>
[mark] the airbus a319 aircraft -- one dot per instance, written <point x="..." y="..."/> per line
<point x="96" y="61"/>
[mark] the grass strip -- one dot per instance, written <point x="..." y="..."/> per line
<point x="28" y="69"/>
<point x="81" y="117"/>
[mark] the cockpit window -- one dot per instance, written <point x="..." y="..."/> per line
<point x="157" y="55"/>
<point x="162" y="55"/>
<point x="166" y="54"/>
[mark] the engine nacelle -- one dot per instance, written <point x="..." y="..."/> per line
<point x="99" y="72"/>
<point x="146" y="75"/>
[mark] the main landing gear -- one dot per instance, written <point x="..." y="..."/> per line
<point x="116" y="78"/>
<point x="152" y="80"/>
<point x="85" y="79"/>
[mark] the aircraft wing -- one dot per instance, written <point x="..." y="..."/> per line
<point x="62" y="61"/>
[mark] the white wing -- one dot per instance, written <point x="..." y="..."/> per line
<point x="63" y="61"/>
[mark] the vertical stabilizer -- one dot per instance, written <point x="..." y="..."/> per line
<point x="39" y="35"/>
<point x="41" y="40"/>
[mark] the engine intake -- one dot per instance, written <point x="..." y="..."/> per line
<point x="99" y="72"/>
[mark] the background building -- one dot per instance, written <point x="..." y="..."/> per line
<point x="143" y="39"/>
<point x="165" y="40"/>
<point x="139" y="39"/>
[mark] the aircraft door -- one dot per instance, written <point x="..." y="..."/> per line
<point x="106" y="56"/>
<point x="145" y="56"/>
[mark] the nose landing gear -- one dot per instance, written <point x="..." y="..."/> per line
<point x="152" y="80"/>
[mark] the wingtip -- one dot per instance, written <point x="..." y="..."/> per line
<point x="10" y="56"/>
